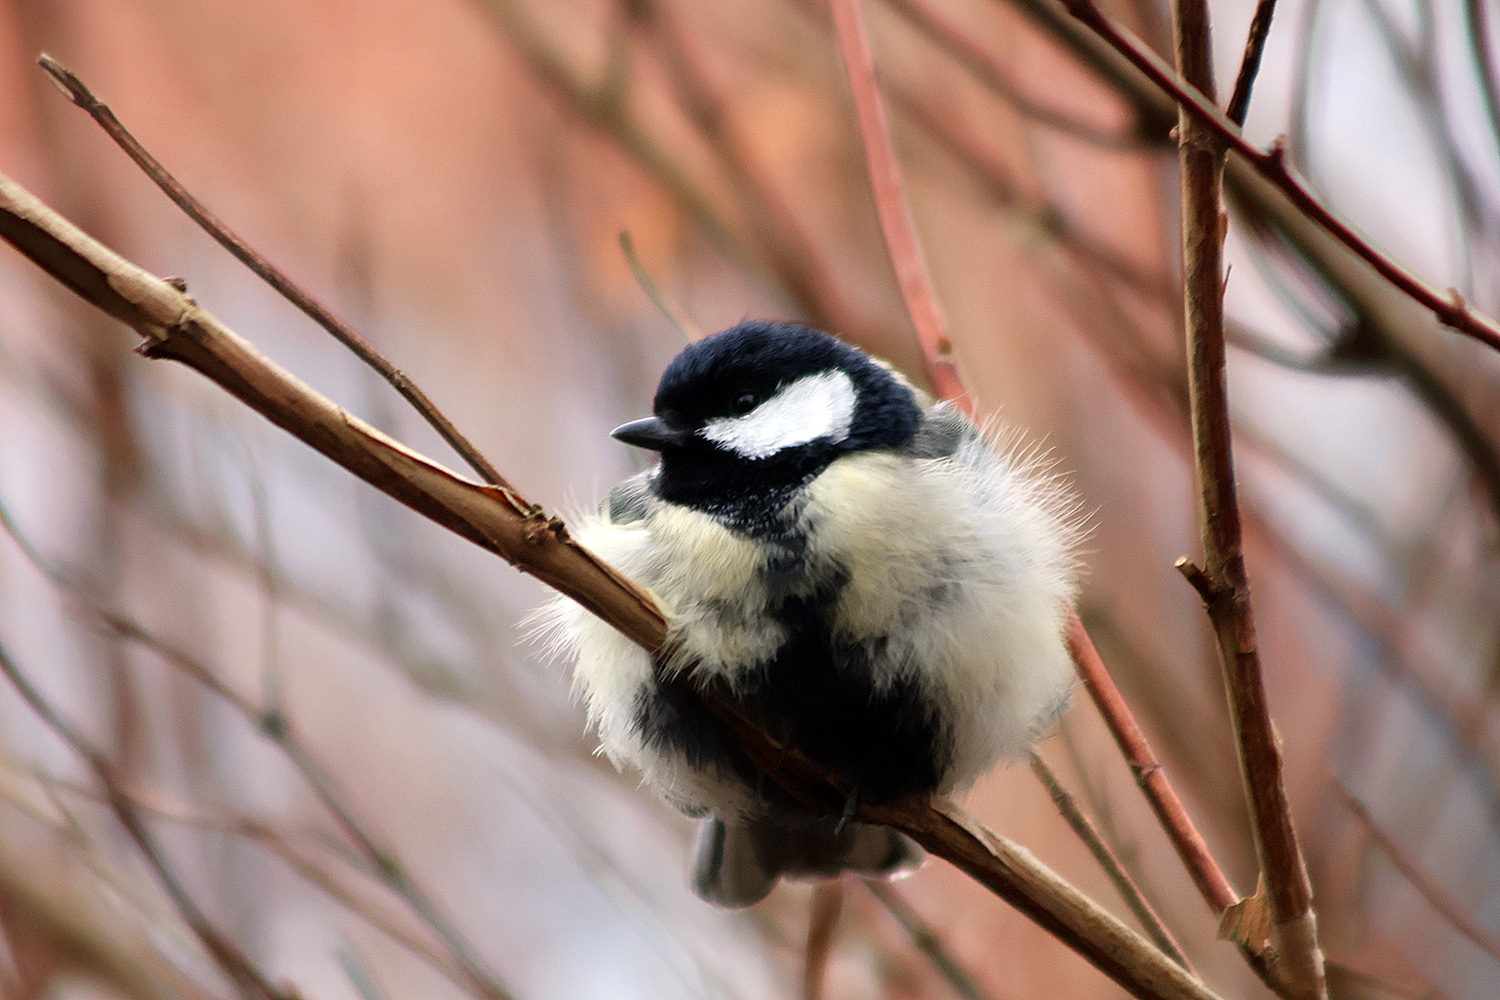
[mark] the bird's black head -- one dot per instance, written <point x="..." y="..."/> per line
<point x="746" y="416"/>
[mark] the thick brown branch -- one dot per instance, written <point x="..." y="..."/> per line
<point x="499" y="520"/>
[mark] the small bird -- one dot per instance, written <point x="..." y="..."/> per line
<point x="865" y="575"/>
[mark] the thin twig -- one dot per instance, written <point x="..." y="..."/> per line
<point x="502" y="522"/>
<point x="278" y="844"/>
<point x="1436" y="897"/>
<point x="1450" y="309"/>
<point x="250" y="981"/>
<point x="988" y="70"/>
<point x="79" y="94"/>
<point x="1476" y="16"/>
<point x="1123" y="883"/>
<point x="674" y="315"/>
<point x="274" y="726"/>
<point x="1149" y="773"/>
<point x="1255" y="44"/>
<point x="1040" y="217"/>
<point x="891" y="205"/>
<point x="793" y="252"/>
<point x="1223" y="583"/>
<point x="925" y="939"/>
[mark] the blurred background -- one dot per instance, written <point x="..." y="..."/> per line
<point x="452" y="176"/>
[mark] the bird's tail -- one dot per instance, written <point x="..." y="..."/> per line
<point x="737" y="864"/>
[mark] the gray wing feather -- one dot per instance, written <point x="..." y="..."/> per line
<point x="944" y="430"/>
<point x="630" y="500"/>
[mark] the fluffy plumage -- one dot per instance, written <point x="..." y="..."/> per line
<point x="874" y="583"/>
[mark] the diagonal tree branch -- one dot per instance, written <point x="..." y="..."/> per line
<point x="499" y="520"/>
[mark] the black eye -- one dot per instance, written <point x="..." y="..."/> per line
<point x="745" y="403"/>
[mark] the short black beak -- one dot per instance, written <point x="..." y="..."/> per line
<point x="651" y="433"/>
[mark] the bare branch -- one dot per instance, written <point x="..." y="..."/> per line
<point x="891" y="205"/>
<point x="1255" y="44"/>
<point x="502" y="522"/>
<point x="1123" y="883"/>
<point x="1450" y="307"/>
<point x="926" y="940"/>
<point x="79" y="94"/>
<point x="249" y="979"/>
<point x="1441" y="901"/>
<point x="982" y="64"/>
<point x="1228" y="585"/>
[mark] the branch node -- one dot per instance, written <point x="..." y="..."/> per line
<point x="1199" y="579"/>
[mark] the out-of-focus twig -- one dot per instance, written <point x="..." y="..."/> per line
<point x="676" y="316"/>
<point x="1476" y="17"/>
<point x="1223" y="582"/>
<point x="277" y="843"/>
<point x="1255" y="44"/>
<point x="822" y="922"/>
<point x="79" y="94"/>
<point x="1436" y="897"/>
<point x="891" y="205"/>
<point x="793" y="253"/>
<point x="925" y="939"/>
<point x="1450" y="308"/>
<point x="502" y="522"/>
<point x="1123" y="883"/>
<point x="249" y="979"/>
<point x="927" y="18"/>
<point x="274" y="725"/>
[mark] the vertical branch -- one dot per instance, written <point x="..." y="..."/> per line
<point x="890" y="204"/>
<point x="1223" y="582"/>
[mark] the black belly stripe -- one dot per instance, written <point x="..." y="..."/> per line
<point x="817" y="695"/>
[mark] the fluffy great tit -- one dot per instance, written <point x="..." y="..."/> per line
<point x="869" y="578"/>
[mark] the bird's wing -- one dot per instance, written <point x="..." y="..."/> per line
<point x="631" y="500"/>
<point x="944" y="430"/>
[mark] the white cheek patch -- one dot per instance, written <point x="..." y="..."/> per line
<point x="813" y="407"/>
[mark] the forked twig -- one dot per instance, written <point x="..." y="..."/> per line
<point x="1450" y="308"/>
<point x="79" y="94"/>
